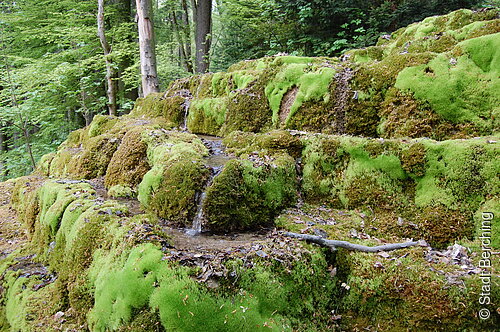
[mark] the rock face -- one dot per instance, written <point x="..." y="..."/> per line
<point x="391" y="142"/>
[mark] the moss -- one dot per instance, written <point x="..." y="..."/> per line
<point x="120" y="191"/>
<point x="248" y="109"/>
<point x="458" y="173"/>
<point x="26" y="202"/>
<point x="373" y="53"/>
<point x="129" y="163"/>
<point x="101" y="124"/>
<point x="94" y="160"/>
<point x="43" y="166"/>
<point x="403" y="294"/>
<point x="244" y="196"/>
<point x="177" y="174"/>
<point x="166" y="289"/>
<point x="312" y="84"/>
<point x="439" y="234"/>
<point x="18" y="313"/>
<point x="413" y="159"/>
<point x="272" y="142"/>
<point x="277" y="140"/>
<point x="463" y="92"/>
<point x="169" y="107"/>
<point x="207" y="115"/>
<point x="175" y="197"/>
<point x="404" y="116"/>
<point x="62" y="162"/>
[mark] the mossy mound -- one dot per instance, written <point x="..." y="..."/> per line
<point x="92" y="248"/>
<point x="129" y="163"/>
<point x="247" y="195"/>
<point x="437" y="78"/>
<point x="421" y="181"/>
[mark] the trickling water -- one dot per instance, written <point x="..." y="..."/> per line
<point x="186" y="113"/>
<point x="215" y="161"/>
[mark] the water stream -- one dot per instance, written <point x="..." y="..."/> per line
<point x="215" y="161"/>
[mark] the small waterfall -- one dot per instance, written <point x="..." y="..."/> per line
<point x="186" y="113"/>
<point x="186" y="94"/>
<point x="215" y="161"/>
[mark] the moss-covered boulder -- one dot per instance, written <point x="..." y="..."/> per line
<point x="249" y="194"/>
<point x="177" y="175"/>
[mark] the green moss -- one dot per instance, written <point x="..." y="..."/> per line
<point x="413" y="159"/>
<point x="301" y="292"/>
<point x="248" y="109"/>
<point x="129" y="163"/>
<point x="177" y="174"/>
<point x="17" y="310"/>
<point x="207" y="115"/>
<point x="175" y="197"/>
<point x="43" y="166"/>
<point x="465" y="92"/>
<point x="101" y="124"/>
<point x="244" y="196"/>
<point x="458" y="173"/>
<point x="120" y="191"/>
<point x="94" y="160"/>
<point x="171" y="107"/>
<point x="272" y="142"/>
<point x="181" y="303"/>
<point x="312" y="84"/>
<point x="404" y="294"/>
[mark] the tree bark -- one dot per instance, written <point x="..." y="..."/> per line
<point x="147" y="47"/>
<point x="111" y="74"/>
<point x="351" y="246"/>
<point x="202" y="13"/>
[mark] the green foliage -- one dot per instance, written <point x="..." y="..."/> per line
<point x="56" y="73"/>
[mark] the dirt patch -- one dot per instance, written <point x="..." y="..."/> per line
<point x="287" y="102"/>
<point x="12" y="233"/>
<point x="134" y="206"/>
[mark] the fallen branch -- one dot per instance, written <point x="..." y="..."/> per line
<point x="351" y="246"/>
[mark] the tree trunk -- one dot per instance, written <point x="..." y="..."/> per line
<point x="187" y="37"/>
<point x="147" y="47"/>
<point x="111" y="74"/>
<point x="202" y="13"/>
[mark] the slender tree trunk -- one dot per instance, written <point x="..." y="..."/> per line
<point x="187" y="36"/>
<point x="147" y="47"/>
<point x="111" y="74"/>
<point x="180" y="27"/>
<point x="202" y="13"/>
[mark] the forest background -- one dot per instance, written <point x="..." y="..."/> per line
<point x="54" y="65"/>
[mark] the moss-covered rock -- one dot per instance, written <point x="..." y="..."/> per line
<point x="129" y="163"/>
<point x="245" y="196"/>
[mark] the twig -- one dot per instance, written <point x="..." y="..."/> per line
<point x="350" y="246"/>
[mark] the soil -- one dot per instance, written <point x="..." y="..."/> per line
<point x="12" y="233"/>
